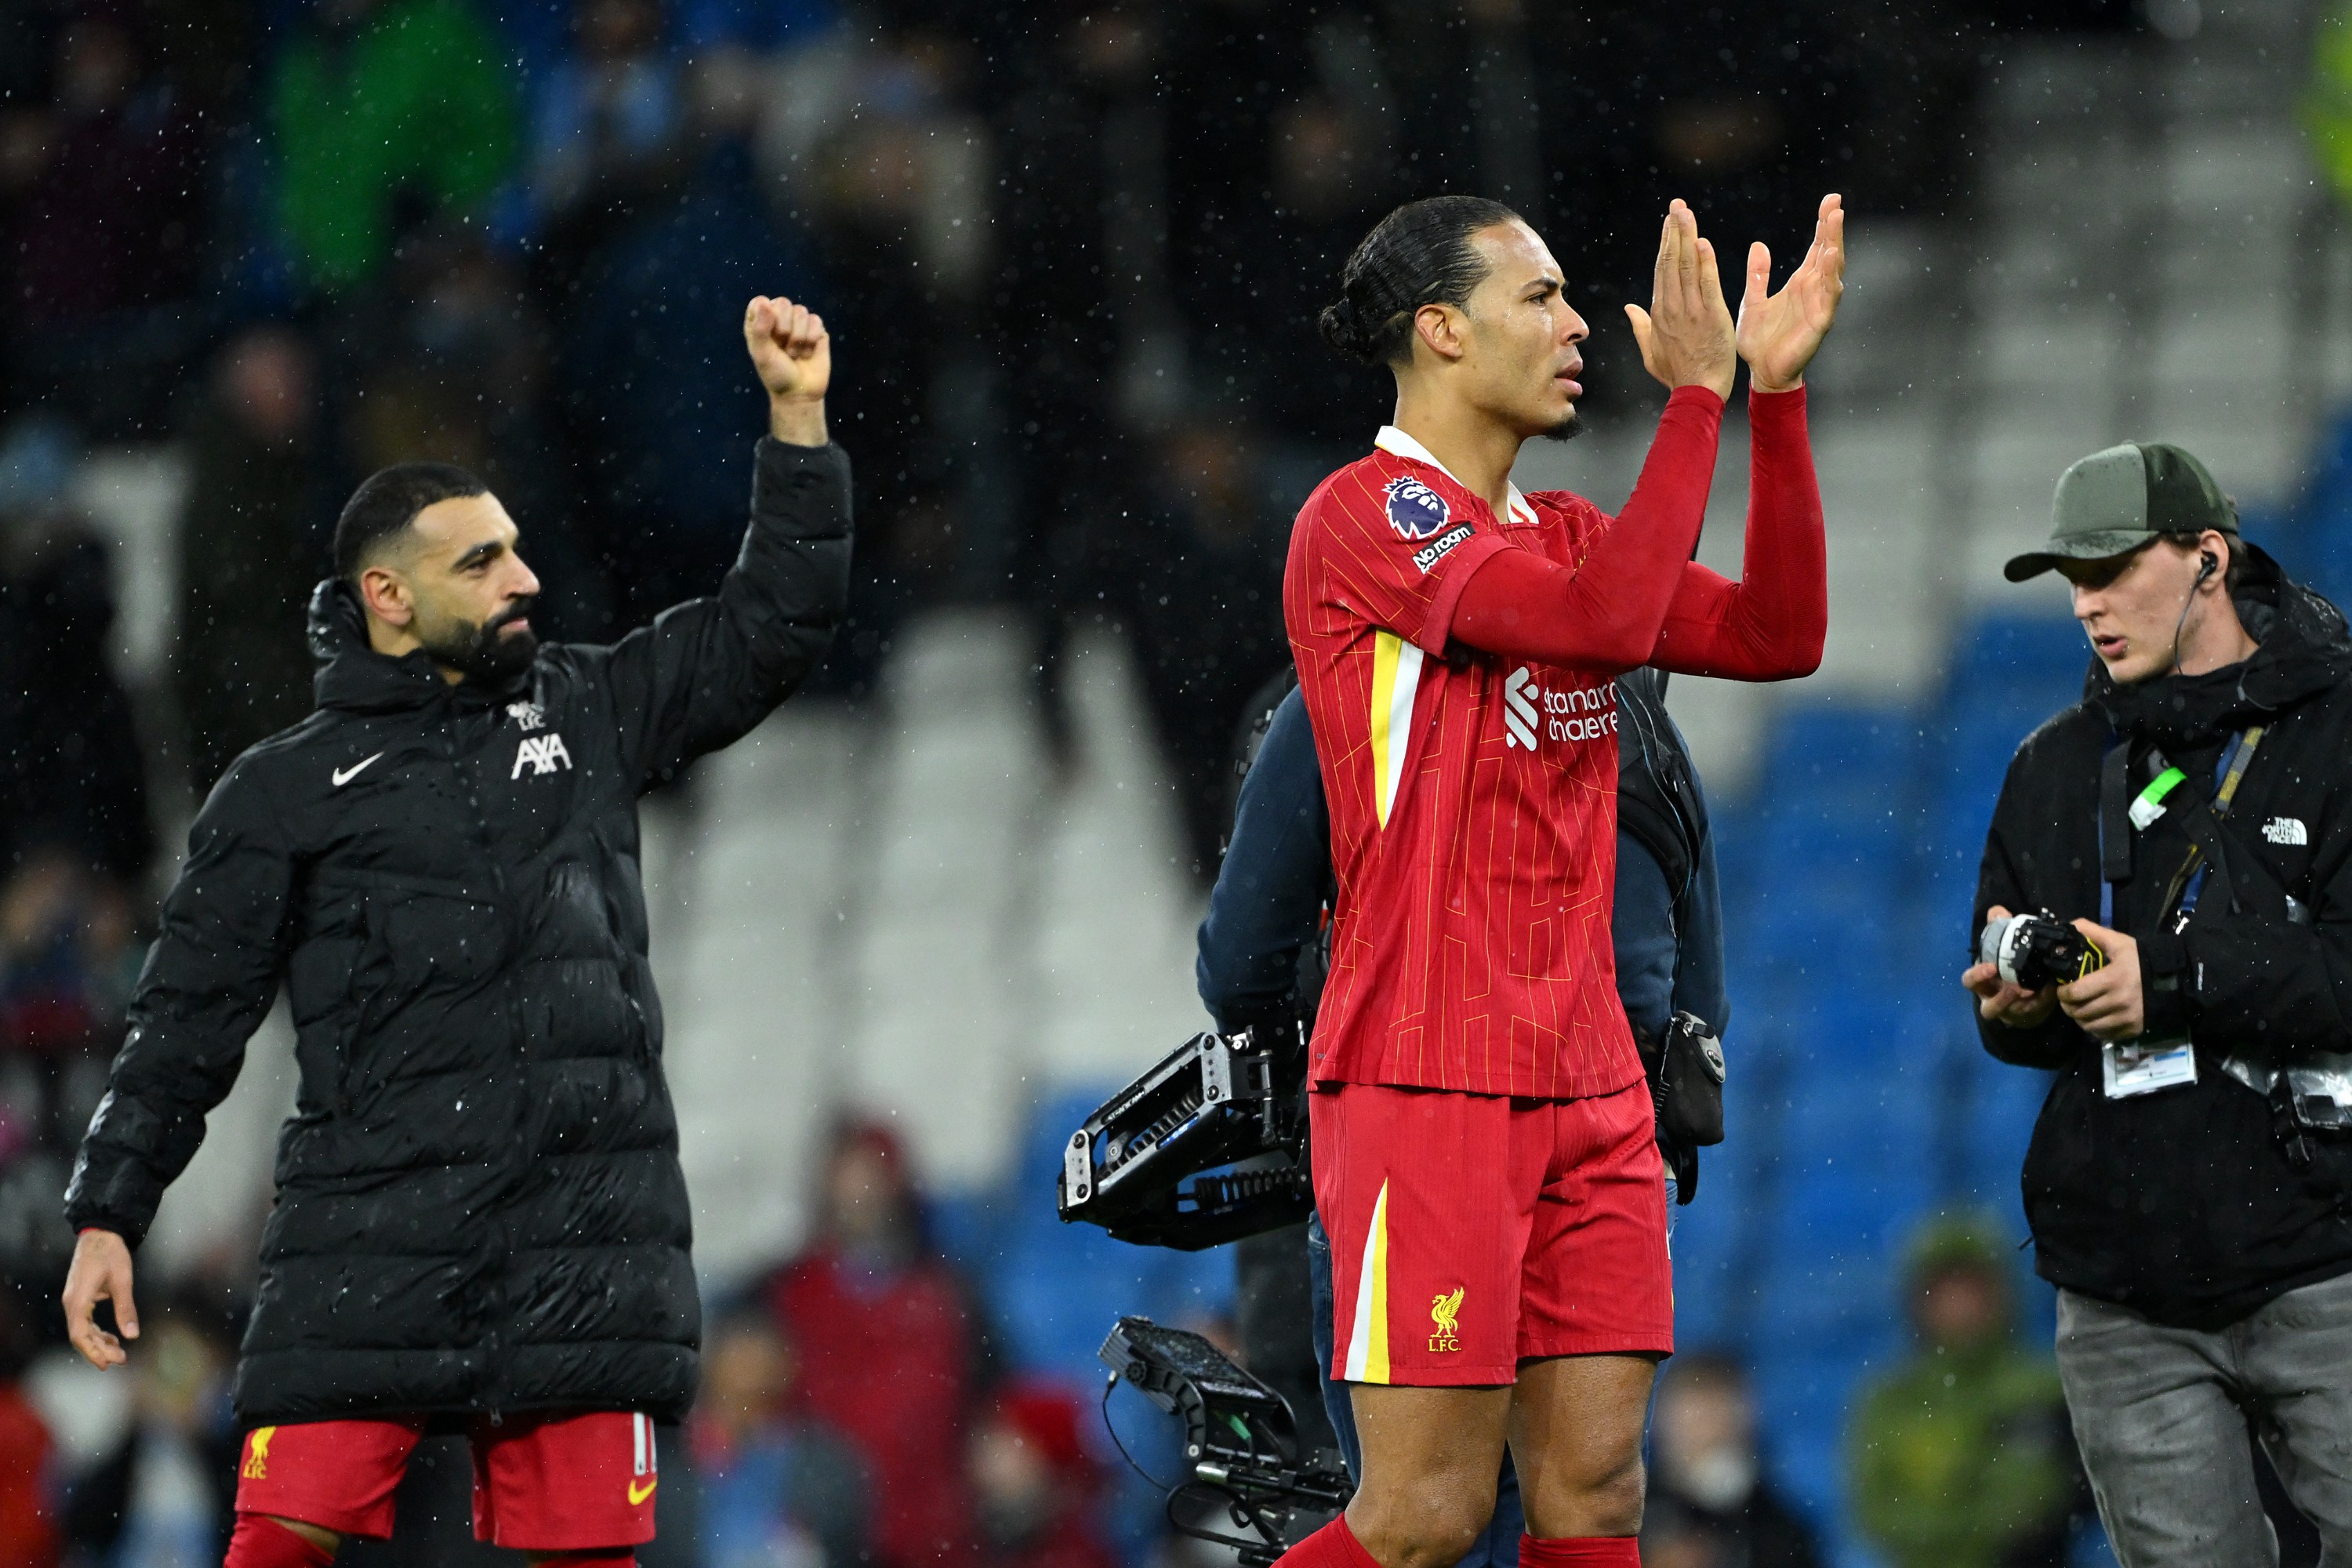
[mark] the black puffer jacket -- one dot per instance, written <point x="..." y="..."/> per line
<point x="479" y="1201"/>
<point x="2185" y="1203"/>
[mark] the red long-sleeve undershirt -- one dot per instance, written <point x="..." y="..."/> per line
<point x="1638" y="598"/>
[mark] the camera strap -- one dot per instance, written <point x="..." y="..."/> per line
<point x="2122" y="814"/>
<point x="2189" y="881"/>
<point x="2114" y="834"/>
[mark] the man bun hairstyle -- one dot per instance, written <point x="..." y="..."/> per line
<point x="386" y="503"/>
<point x="1418" y="254"/>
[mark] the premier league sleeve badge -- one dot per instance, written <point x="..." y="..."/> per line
<point x="1415" y="511"/>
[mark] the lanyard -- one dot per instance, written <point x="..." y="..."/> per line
<point x="2230" y="770"/>
<point x="2188" y="882"/>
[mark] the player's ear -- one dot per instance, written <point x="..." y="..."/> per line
<point x="386" y="594"/>
<point x="1440" y="327"/>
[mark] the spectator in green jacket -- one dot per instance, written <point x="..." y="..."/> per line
<point x="2327" y="98"/>
<point x="383" y="110"/>
<point x="1962" y="1457"/>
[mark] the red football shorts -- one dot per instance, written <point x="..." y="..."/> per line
<point x="1472" y="1232"/>
<point x="553" y="1481"/>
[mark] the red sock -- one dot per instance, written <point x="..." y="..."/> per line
<point x="1333" y="1546"/>
<point x="1580" y="1551"/>
<point x="260" y="1541"/>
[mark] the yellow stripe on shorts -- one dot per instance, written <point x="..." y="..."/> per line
<point x="1368" y="1342"/>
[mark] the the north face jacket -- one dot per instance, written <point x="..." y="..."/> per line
<point x="2186" y="1204"/>
<point x="479" y="1204"/>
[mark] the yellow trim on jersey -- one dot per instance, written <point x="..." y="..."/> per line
<point x="1367" y="1344"/>
<point x="1396" y="679"/>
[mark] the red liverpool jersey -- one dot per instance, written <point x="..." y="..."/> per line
<point x="1473" y="799"/>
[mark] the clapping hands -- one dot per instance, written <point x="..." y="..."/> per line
<point x="1778" y="333"/>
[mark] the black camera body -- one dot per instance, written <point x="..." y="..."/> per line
<point x="2038" y="949"/>
<point x="1241" y="1441"/>
<point x="1204" y="1149"/>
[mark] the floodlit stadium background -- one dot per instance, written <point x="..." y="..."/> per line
<point x="953" y="887"/>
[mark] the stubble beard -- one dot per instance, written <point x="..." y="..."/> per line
<point x="1568" y="430"/>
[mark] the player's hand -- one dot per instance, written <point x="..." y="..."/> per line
<point x="1686" y="335"/>
<point x="2003" y="1001"/>
<point x="793" y="355"/>
<point x="101" y="1272"/>
<point x="1778" y="333"/>
<point x="2108" y="1002"/>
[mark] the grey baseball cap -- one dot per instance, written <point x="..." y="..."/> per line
<point x="2121" y="499"/>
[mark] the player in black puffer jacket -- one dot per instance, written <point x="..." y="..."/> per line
<point x="480" y="1211"/>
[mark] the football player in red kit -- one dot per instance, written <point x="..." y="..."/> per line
<point x="1484" y="1161"/>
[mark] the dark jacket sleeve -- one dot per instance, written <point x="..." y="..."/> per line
<point x="1668" y="962"/>
<point x="208" y="982"/>
<point x="2055" y="1041"/>
<point x="1642" y="928"/>
<point x="1699" y="987"/>
<point x="1268" y="899"/>
<point x="706" y="671"/>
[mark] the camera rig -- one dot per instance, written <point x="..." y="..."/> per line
<point x="1241" y="1452"/>
<point x="2037" y="949"/>
<point x="1204" y="1149"/>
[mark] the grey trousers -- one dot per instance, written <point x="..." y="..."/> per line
<point x="2162" y="1414"/>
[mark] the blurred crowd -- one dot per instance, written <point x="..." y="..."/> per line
<point x="1071" y="257"/>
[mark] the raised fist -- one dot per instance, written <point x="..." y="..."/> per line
<point x="790" y="348"/>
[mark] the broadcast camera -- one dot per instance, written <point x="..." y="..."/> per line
<point x="1241" y="1443"/>
<point x="1208" y="1147"/>
<point x="2038" y="949"/>
<point x="1202" y="1149"/>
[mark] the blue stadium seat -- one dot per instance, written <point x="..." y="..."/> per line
<point x="2010" y="654"/>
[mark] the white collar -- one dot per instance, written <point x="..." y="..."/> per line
<point x="1392" y="440"/>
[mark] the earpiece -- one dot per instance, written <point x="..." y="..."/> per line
<point x="2212" y="564"/>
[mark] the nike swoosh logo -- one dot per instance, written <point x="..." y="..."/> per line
<point x="637" y="1497"/>
<point x="345" y="775"/>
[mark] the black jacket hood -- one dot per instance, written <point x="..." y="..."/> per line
<point x="352" y="677"/>
<point x="2304" y="649"/>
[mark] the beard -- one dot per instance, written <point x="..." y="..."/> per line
<point x="488" y="653"/>
<point x="1568" y="430"/>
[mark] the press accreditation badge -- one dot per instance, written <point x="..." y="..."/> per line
<point x="2143" y="1066"/>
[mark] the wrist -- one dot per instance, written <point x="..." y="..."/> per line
<point x="1700" y="392"/>
<point x="797" y="419"/>
<point x="1718" y="385"/>
<point x="1763" y="388"/>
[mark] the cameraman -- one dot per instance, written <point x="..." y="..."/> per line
<point x="1261" y="963"/>
<point x="2186" y="1184"/>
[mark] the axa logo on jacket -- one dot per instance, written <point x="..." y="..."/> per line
<point x="541" y="754"/>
